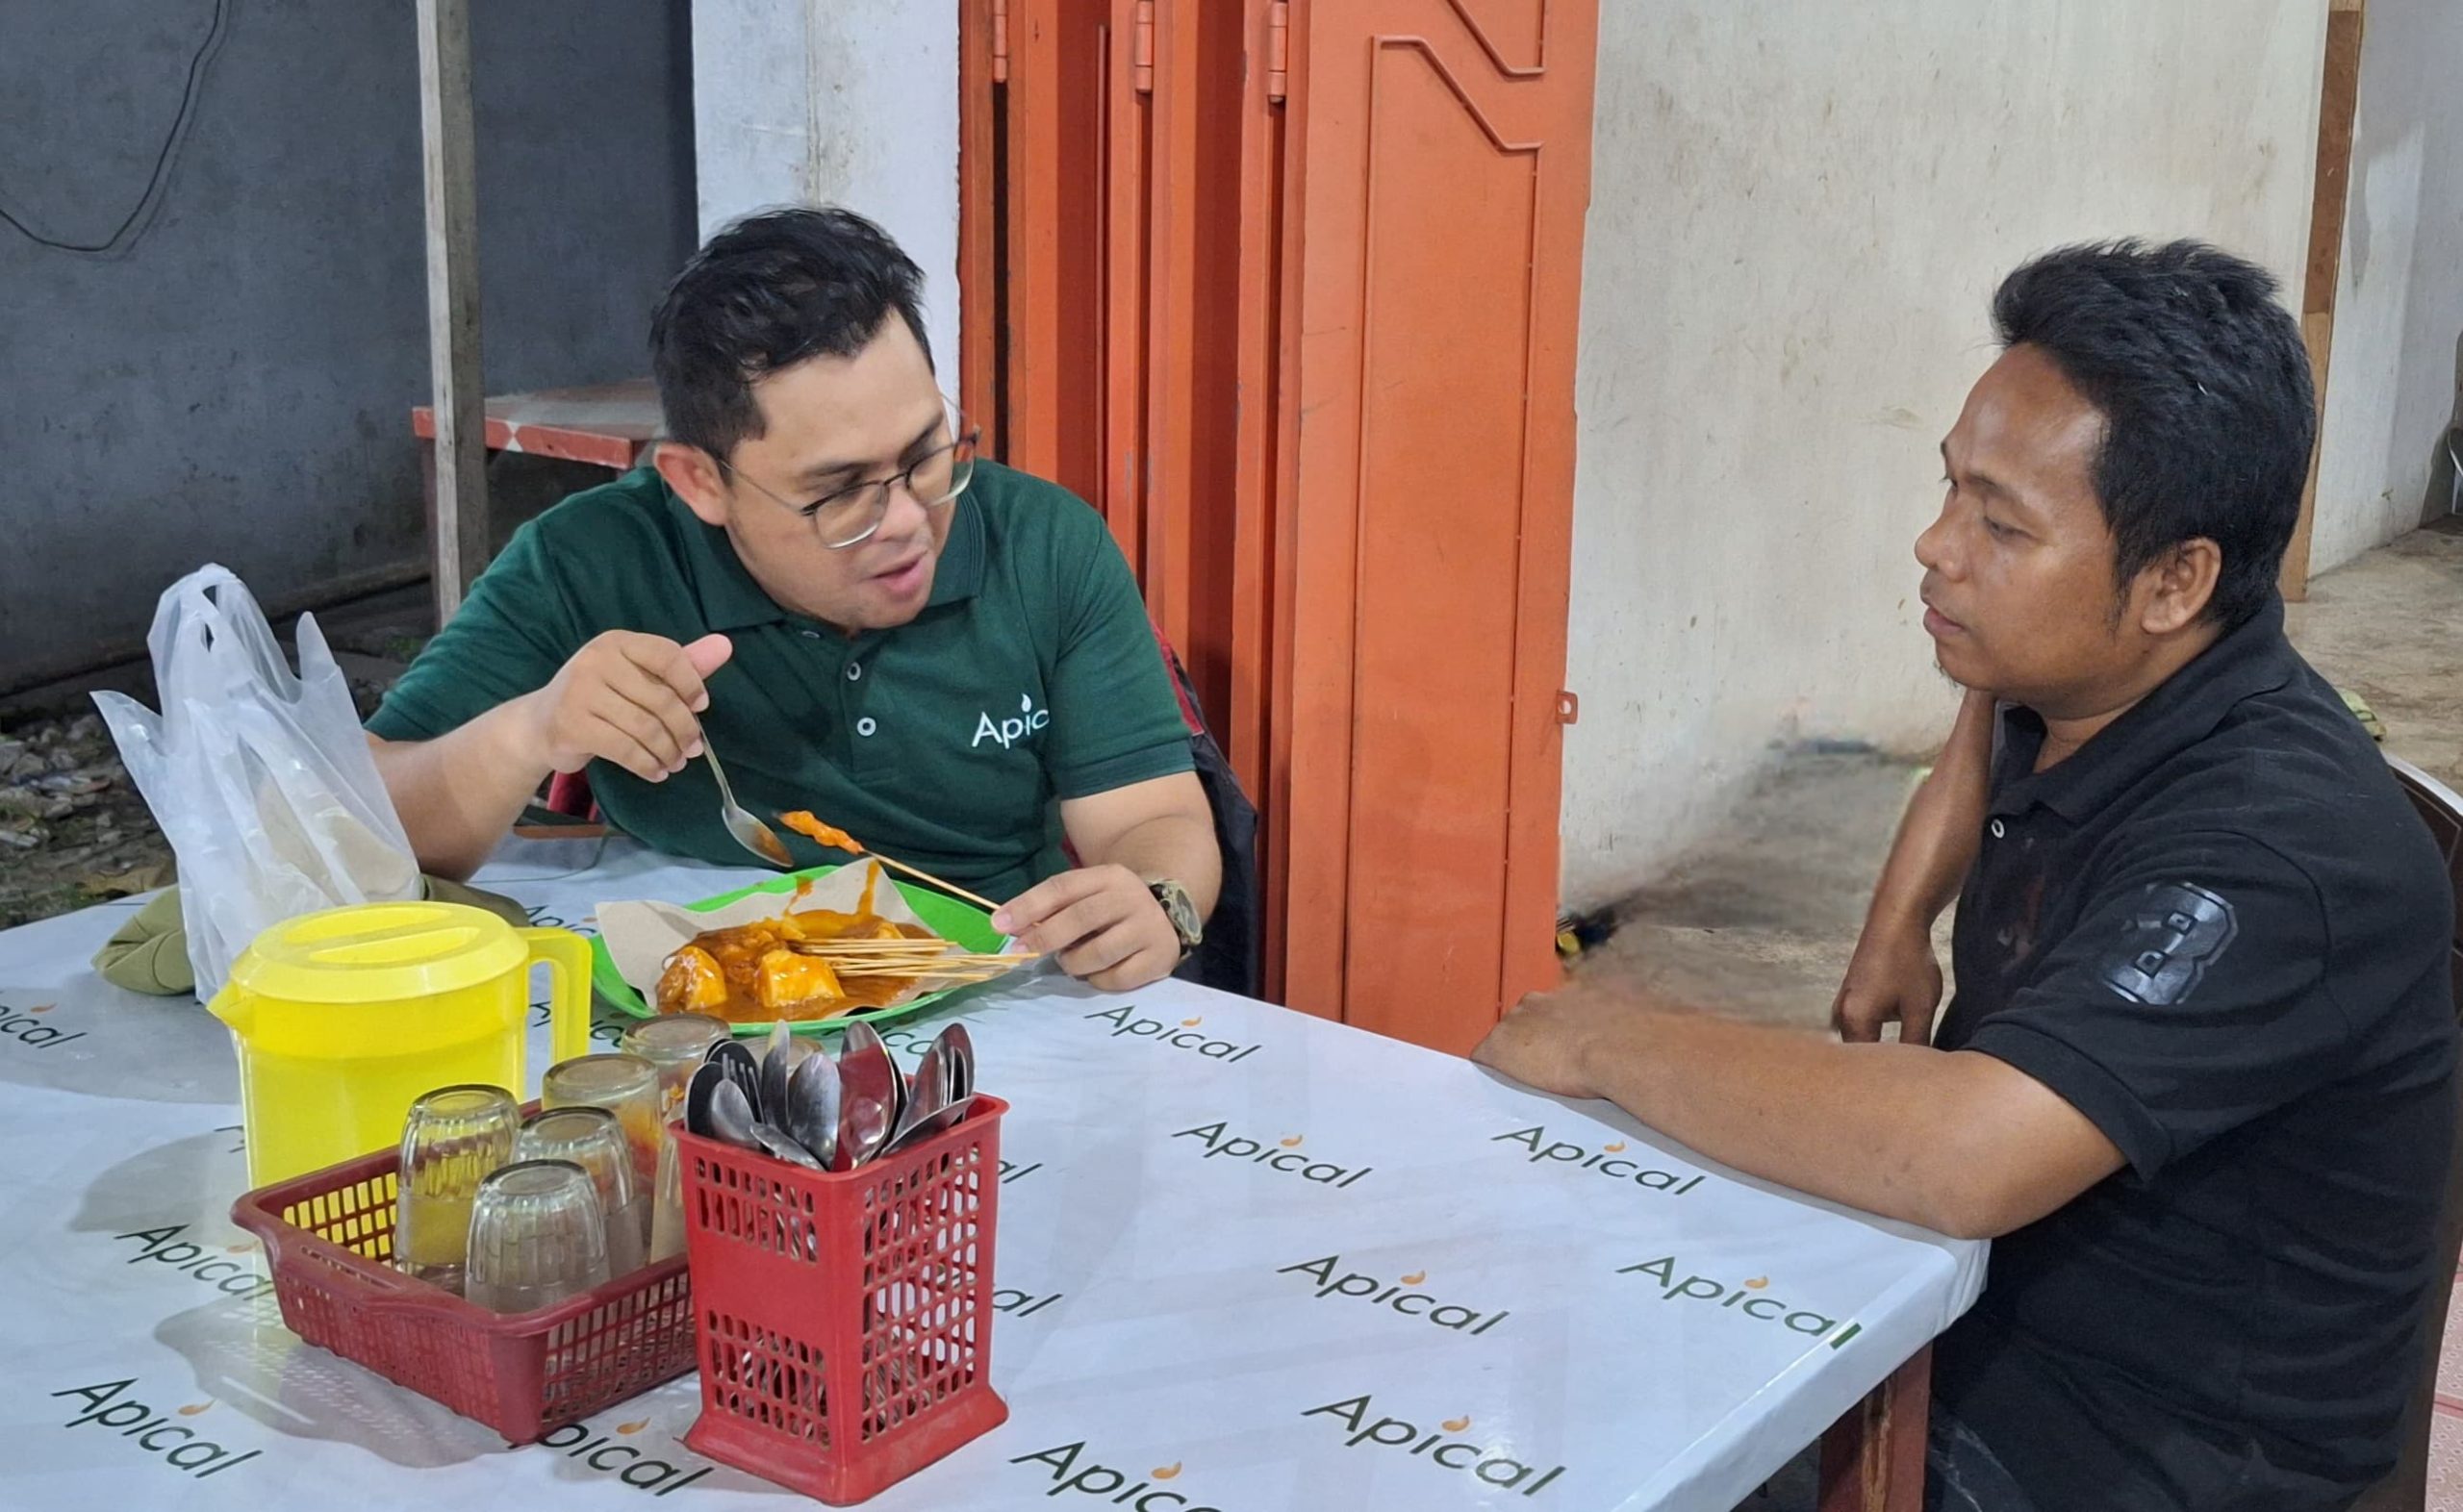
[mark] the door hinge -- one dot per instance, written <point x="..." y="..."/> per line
<point x="1568" y="707"/>
<point x="1141" y="50"/>
<point x="1000" y="41"/>
<point x="1277" y="51"/>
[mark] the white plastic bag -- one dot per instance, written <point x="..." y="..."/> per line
<point x="262" y="781"/>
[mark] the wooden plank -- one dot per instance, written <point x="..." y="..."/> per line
<point x="1280" y="524"/>
<point x="1256" y="380"/>
<point x="1030" y="431"/>
<point x="1872" y="1460"/>
<point x="2338" y="109"/>
<point x="1174" y="327"/>
<point x="1436" y="466"/>
<point x="978" y="243"/>
<point x="2318" y="334"/>
<point x="1126" y="135"/>
<point x="458" y="529"/>
<point x="608" y="425"/>
<point x="2339" y="105"/>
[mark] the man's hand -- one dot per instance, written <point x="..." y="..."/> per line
<point x="1892" y="978"/>
<point x="629" y="698"/>
<point x="1101" y="924"/>
<point x="1547" y="1040"/>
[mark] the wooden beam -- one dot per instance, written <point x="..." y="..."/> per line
<point x="2338" y="112"/>
<point x="458" y="524"/>
<point x="2318" y="335"/>
<point x="1872" y="1460"/>
<point x="983" y="65"/>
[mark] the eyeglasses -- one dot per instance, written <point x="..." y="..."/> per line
<point x="848" y="517"/>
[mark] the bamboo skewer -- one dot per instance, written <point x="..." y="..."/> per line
<point x="860" y="962"/>
<point x="803" y="823"/>
<point x="857" y="947"/>
<point x="826" y="947"/>
<point x="929" y="973"/>
<point x="921" y="876"/>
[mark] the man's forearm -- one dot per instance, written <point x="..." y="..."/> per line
<point x="1937" y="840"/>
<point x="1179" y="846"/>
<point x="460" y="793"/>
<point x="1860" y="1124"/>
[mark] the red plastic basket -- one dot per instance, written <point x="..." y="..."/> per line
<point x="846" y="1320"/>
<point x="328" y="1238"/>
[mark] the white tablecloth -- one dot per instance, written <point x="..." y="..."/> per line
<point x="1250" y="1261"/>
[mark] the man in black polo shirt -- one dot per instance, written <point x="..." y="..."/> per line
<point x="946" y="659"/>
<point x="2196" y="1082"/>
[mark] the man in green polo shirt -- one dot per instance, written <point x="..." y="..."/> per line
<point x="945" y="658"/>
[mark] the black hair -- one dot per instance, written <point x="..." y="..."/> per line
<point x="2205" y="387"/>
<point x="770" y="290"/>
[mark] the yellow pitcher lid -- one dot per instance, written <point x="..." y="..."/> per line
<point x="379" y="953"/>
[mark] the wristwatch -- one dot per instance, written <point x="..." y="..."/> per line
<point x="1181" y="910"/>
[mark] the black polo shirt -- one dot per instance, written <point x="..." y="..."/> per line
<point x="2220" y="931"/>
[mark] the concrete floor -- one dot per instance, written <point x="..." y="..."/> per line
<point x="1759" y="920"/>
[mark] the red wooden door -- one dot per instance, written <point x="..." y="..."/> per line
<point x="1442" y="153"/>
<point x="1357" y="535"/>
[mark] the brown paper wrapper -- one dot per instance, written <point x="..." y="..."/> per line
<point x="641" y="936"/>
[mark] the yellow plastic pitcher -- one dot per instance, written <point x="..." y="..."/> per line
<point x="345" y="1018"/>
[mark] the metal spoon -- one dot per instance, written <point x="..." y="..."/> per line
<point x="863" y="1129"/>
<point x="865" y="1074"/>
<point x="785" y="1052"/>
<point x="881" y="1077"/>
<point x="956" y="1096"/>
<point x="731" y="1117"/>
<point x="928" y="1093"/>
<point x="783" y="1145"/>
<point x="812" y="1106"/>
<point x="957" y="1051"/>
<point x="748" y="832"/>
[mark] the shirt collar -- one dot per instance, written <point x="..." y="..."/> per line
<point x="959" y="573"/>
<point x="2250" y="660"/>
<point x="731" y="600"/>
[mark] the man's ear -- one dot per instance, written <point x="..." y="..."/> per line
<point x="696" y="479"/>
<point x="2171" y="592"/>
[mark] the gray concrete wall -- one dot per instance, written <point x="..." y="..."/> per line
<point x="1799" y="211"/>
<point x="2398" y="310"/>
<point x="848" y="101"/>
<point x="238" y="386"/>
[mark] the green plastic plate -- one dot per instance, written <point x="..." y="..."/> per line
<point x="945" y="916"/>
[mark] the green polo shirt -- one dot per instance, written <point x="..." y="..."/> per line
<point x="1032" y="674"/>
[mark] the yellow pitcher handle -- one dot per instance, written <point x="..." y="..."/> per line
<point x="567" y="956"/>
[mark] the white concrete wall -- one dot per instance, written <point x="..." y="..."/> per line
<point x="848" y="101"/>
<point x="1798" y="212"/>
<point x="2399" y="311"/>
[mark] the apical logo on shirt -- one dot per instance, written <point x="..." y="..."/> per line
<point x="1009" y="731"/>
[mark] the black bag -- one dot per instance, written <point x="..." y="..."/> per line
<point x="1232" y="957"/>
